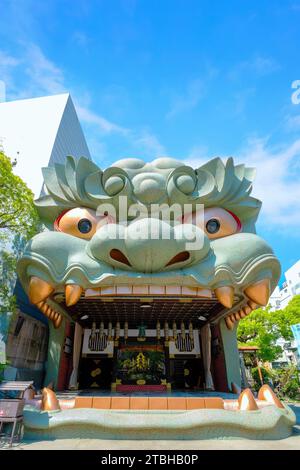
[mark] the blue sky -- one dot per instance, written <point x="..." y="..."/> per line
<point x="183" y="78"/>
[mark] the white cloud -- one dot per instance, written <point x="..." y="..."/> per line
<point x="259" y="66"/>
<point x="44" y="77"/>
<point x="197" y="155"/>
<point x="7" y="60"/>
<point x="106" y="126"/>
<point x="8" y="64"/>
<point x="277" y="181"/>
<point x="292" y="123"/>
<point x="149" y="144"/>
<point x="241" y="99"/>
<point x="188" y="100"/>
<point x="43" y="74"/>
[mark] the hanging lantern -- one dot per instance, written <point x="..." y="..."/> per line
<point x="109" y="331"/>
<point x="174" y="330"/>
<point x="166" y="331"/>
<point x="126" y="330"/>
<point x="93" y="332"/>
<point x="191" y="331"/>
<point x="101" y="330"/>
<point x="182" y="328"/>
<point x="142" y="333"/>
<point x="117" y="330"/>
<point x="158" y="330"/>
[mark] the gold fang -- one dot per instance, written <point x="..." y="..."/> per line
<point x="225" y="295"/>
<point x="247" y="401"/>
<point x="259" y="292"/>
<point x="237" y="316"/>
<point x="267" y="394"/>
<point x="229" y="323"/>
<point x="57" y="321"/>
<point x="38" y="290"/>
<point x="49" y="400"/>
<point x="72" y="293"/>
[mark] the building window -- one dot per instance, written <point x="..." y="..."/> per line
<point x="27" y="343"/>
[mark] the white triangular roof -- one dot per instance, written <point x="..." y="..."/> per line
<point x="39" y="132"/>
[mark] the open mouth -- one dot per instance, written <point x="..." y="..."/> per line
<point x="165" y="302"/>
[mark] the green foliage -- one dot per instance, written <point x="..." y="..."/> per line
<point x="258" y="329"/>
<point x="17" y="212"/>
<point x="286" y="382"/>
<point x="266" y="375"/>
<point x="2" y="367"/>
<point x="18" y="222"/>
<point x="264" y="327"/>
<point x="287" y="317"/>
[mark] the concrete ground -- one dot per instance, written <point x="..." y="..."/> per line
<point x="291" y="443"/>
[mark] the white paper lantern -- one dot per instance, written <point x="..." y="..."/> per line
<point x="191" y="331"/>
<point x="126" y="330"/>
<point x="117" y="330"/>
<point x="174" y="330"/>
<point x="182" y="327"/>
<point x="109" y="332"/>
<point x="158" y="330"/>
<point x="166" y="330"/>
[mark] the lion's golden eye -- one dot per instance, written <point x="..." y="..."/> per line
<point x="81" y="222"/>
<point x="215" y="222"/>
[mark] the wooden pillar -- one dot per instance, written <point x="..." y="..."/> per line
<point x="65" y="365"/>
<point x="218" y="365"/>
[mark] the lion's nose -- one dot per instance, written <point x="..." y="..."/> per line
<point x="149" y="245"/>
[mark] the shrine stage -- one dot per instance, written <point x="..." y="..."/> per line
<point x="68" y="394"/>
<point x="179" y="415"/>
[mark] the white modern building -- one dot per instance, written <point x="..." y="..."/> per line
<point x="290" y="354"/>
<point x="280" y="299"/>
<point x="40" y="132"/>
<point x="291" y="286"/>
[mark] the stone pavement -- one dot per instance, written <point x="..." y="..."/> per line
<point x="291" y="443"/>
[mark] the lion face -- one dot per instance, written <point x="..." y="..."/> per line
<point x="185" y="234"/>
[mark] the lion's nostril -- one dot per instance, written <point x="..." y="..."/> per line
<point x="117" y="255"/>
<point x="179" y="258"/>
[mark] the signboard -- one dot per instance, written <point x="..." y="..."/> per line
<point x="96" y="344"/>
<point x="185" y="346"/>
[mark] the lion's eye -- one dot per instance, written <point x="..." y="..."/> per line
<point x="215" y="221"/>
<point x="213" y="226"/>
<point x="81" y="222"/>
<point x="85" y="225"/>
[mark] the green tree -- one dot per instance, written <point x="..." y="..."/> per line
<point x="259" y="329"/>
<point x="264" y="327"/>
<point x="287" y="317"/>
<point x="17" y="212"/>
<point x="18" y="222"/>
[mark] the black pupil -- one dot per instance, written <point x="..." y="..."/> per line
<point x="84" y="225"/>
<point x="213" y="226"/>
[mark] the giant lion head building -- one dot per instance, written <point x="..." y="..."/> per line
<point x="144" y="271"/>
